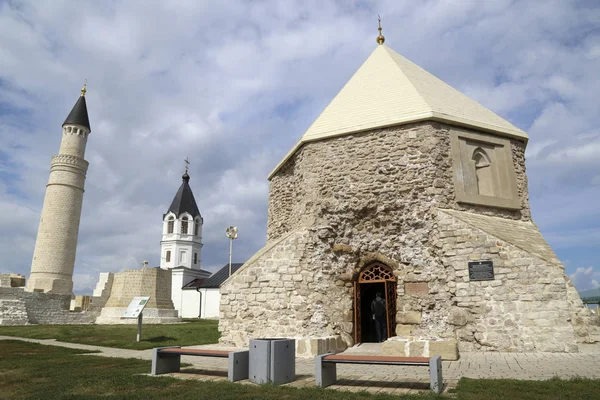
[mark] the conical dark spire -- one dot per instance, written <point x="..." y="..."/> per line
<point x="79" y="114"/>
<point x="184" y="199"/>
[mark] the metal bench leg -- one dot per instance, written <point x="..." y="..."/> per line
<point x="435" y="374"/>
<point x="325" y="373"/>
<point x="163" y="363"/>
<point x="238" y="365"/>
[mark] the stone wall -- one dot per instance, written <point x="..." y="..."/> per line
<point x="518" y="154"/>
<point x="80" y="303"/>
<point x="12" y="280"/>
<point x="264" y="289"/>
<point x="527" y="307"/>
<point x="153" y="282"/>
<point x="397" y="171"/>
<point x="373" y="197"/>
<point x="340" y="204"/>
<point x="282" y="296"/>
<point x="104" y="285"/>
<point x="41" y="308"/>
<point x="13" y="312"/>
<point x="102" y="291"/>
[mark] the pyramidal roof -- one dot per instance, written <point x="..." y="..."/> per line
<point x="79" y="114"/>
<point x="390" y="90"/>
<point x="184" y="200"/>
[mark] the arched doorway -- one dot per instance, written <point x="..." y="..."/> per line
<point x="375" y="277"/>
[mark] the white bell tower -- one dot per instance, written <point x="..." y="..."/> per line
<point x="181" y="243"/>
<point x="181" y="248"/>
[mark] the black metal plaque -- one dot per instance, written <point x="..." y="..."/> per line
<point x="481" y="271"/>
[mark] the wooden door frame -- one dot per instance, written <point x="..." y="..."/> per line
<point x="376" y="272"/>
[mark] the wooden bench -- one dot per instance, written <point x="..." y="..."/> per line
<point x="168" y="359"/>
<point x="325" y="366"/>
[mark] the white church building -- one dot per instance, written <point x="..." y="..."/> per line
<point x="210" y="290"/>
<point x="181" y="249"/>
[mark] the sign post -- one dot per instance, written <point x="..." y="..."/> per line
<point x="139" y="333"/>
<point x="135" y="310"/>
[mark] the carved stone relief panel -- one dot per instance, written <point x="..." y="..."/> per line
<point x="483" y="170"/>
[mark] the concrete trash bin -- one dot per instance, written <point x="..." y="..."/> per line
<point x="272" y="360"/>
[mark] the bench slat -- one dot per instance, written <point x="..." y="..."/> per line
<point x="347" y="358"/>
<point x="196" y="352"/>
<point x="418" y="364"/>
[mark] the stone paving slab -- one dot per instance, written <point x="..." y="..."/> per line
<point x="389" y="378"/>
<point x="356" y="383"/>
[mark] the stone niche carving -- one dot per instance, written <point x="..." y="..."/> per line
<point x="484" y="173"/>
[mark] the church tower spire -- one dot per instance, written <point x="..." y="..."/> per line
<point x="56" y="244"/>
<point x="181" y="243"/>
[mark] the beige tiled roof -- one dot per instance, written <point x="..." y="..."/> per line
<point x="390" y="90"/>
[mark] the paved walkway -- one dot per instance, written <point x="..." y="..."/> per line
<point x="385" y="378"/>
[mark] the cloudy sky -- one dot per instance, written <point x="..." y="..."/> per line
<point x="233" y="84"/>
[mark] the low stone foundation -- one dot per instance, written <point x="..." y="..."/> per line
<point x="310" y="347"/>
<point x="112" y="315"/>
<point x="13" y="312"/>
<point x="421" y="347"/>
<point x="81" y="303"/>
<point x="12" y="280"/>
<point x="19" y="307"/>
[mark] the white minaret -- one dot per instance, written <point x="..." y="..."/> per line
<point x="56" y="244"/>
<point x="181" y="243"/>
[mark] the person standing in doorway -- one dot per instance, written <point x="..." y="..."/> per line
<point x="379" y="316"/>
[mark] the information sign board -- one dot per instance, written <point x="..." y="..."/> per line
<point x="136" y="307"/>
<point x="481" y="271"/>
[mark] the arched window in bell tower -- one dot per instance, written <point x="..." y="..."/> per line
<point x="184" y="225"/>
<point x="196" y="227"/>
<point x="483" y="171"/>
<point x="170" y="224"/>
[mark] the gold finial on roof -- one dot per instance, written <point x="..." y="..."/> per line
<point x="84" y="88"/>
<point x="380" y="38"/>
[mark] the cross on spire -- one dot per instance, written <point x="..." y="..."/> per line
<point x="84" y="88"/>
<point x="187" y="164"/>
<point x="380" y="38"/>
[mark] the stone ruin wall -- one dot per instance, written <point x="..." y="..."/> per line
<point x="18" y="307"/>
<point x="12" y="280"/>
<point x="153" y="282"/>
<point x="375" y="196"/>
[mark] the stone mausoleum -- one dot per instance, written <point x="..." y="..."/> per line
<point x="405" y="186"/>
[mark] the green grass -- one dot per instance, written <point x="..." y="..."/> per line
<point x="510" y="389"/>
<point x="191" y="333"/>
<point x="33" y="371"/>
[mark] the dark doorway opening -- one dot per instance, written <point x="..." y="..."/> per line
<point x="374" y="278"/>
<point x="368" y="291"/>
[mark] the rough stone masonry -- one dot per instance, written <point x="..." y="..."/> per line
<point x="398" y="196"/>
